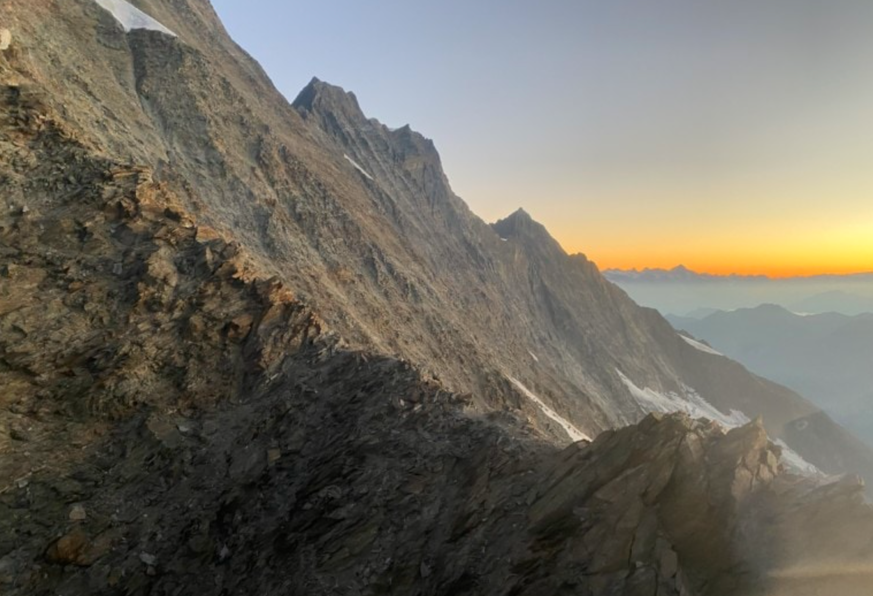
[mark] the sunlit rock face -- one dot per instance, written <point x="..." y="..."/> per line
<point x="248" y="346"/>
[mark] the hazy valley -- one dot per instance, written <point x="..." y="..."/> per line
<point x="682" y="292"/>
<point x="825" y="357"/>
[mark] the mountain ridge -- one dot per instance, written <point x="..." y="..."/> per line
<point x="343" y="381"/>
<point x="680" y="291"/>
<point x="682" y="273"/>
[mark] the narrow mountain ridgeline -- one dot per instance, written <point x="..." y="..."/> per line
<point x="253" y="346"/>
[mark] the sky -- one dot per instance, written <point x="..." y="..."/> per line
<point x="731" y="136"/>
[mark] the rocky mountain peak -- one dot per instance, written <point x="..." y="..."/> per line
<point x="519" y="221"/>
<point x="520" y="226"/>
<point x="411" y="143"/>
<point x="324" y="98"/>
<point x="521" y="215"/>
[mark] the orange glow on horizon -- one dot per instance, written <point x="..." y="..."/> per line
<point x="731" y="268"/>
<point x="841" y="245"/>
<point x="766" y="260"/>
<point x="767" y="228"/>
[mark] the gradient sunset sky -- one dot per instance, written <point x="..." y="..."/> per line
<point x="733" y="136"/>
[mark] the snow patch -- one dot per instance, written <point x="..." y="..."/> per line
<point x="572" y="431"/>
<point x="695" y="406"/>
<point x="534" y="356"/>
<point x="700" y="346"/>
<point x="690" y="402"/>
<point x="358" y="166"/>
<point x="131" y="17"/>
<point x="794" y="462"/>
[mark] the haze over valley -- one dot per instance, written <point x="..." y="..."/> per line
<point x="825" y="357"/>
<point x="680" y="291"/>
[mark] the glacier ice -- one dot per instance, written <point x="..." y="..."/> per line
<point x="700" y="346"/>
<point x="131" y="17"/>
<point x="695" y="406"/>
<point x="691" y="403"/>
<point x="357" y="166"/>
<point x="573" y="432"/>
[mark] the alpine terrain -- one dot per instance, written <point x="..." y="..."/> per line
<point x="826" y="357"/>
<point x="252" y="346"/>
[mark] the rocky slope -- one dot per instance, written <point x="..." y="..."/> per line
<point x="253" y="346"/>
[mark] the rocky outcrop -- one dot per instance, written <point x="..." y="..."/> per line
<point x="349" y="475"/>
<point x="113" y="298"/>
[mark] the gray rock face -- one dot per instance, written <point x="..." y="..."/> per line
<point x="264" y="349"/>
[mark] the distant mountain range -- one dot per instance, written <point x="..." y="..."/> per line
<point x="828" y="358"/>
<point x="834" y="301"/>
<point x="681" y="273"/>
<point x="683" y="291"/>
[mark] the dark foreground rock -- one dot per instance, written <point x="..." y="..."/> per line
<point x="358" y="478"/>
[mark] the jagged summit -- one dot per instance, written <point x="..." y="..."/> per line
<point x="412" y="142"/>
<point x="322" y="97"/>
<point x="520" y="214"/>
<point x="340" y="113"/>
<point x="519" y="220"/>
<point x="519" y="225"/>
